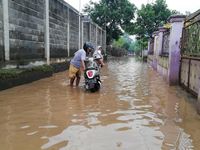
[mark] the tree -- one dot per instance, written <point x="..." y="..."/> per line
<point x="136" y="47"/>
<point x="123" y="42"/>
<point x="119" y="43"/>
<point x="132" y="46"/>
<point x="150" y="17"/>
<point x="114" y="15"/>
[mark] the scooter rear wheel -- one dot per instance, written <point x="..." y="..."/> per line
<point x="96" y="88"/>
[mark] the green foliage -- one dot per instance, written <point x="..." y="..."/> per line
<point x="162" y="13"/>
<point x="150" y="17"/>
<point x="126" y="45"/>
<point x="112" y="14"/>
<point x="191" y="40"/>
<point x="43" y="68"/>
<point x="123" y="42"/>
<point x="116" y="51"/>
<point x="9" y="73"/>
<point x="137" y="46"/>
<point x="119" y="15"/>
<point x="119" y="42"/>
<point x="129" y="45"/>
<point x="13" y="73"/>
<point x="132" y="47"/>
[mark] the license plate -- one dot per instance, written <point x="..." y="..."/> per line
<point x="90" y="81"/>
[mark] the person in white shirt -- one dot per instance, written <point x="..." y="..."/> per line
<point x="98" y="56"/>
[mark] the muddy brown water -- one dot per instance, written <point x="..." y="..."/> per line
<point x="135" y="109"/>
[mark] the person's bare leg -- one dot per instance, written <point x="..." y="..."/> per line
<point x="72" y="81"/>
<point x="78" y="80"/>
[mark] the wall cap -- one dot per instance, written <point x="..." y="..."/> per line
<point x="155" y="33"/>
<point x="162" y="29"/>
<point x="176" y="18"/>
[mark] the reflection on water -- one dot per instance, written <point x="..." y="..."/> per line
<point x="135" y="108"/>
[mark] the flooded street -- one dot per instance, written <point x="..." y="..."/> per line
<point x="134" y="109"/>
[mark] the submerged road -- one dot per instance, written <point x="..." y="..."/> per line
<point x="134" y="109"/>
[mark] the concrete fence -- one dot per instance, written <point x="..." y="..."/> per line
<point x="164" y="55"/>
<point x="174" y="53"/>
<point x="44" y="30"/>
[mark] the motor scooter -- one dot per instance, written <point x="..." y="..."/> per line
<point x="92" y="75"/>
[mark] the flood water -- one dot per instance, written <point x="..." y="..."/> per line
<point x="134" y="109"/>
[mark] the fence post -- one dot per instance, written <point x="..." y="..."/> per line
<point x="102" y="37"/>
<point x="160" y="34"/>
<point x="160" y="52"/>
<point x="198" y="101"/>
<point x="79" y="26"/>
<point x="47" y="46"/>
<point x="68" y="30"/>
<point x="6" y="30"/>
<point x="96" y="36"/>
<point x="155" y="48"/>
<point x="90" y="31"/>
<point x="174" y="48"/>
<point x="149" y="49"/>
<point x="105" y="39"/>
<point x="82" y="33"/>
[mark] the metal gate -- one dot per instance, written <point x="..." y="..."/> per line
<point x="190" y="54"/>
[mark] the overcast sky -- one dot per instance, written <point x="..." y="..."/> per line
<point x="179" y="5"/>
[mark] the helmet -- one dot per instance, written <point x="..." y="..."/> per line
<point x="87" y="45"/>
<point x="99" y="47"/>
<point x="97" y="55"/>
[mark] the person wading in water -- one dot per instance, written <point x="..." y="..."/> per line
<point x="78" y="62"/>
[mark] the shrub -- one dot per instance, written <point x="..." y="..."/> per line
<point x="9" y="73"/>
<point x="13" y="73"/>
<point x="43" y="68"/>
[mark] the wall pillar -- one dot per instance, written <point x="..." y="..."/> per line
<point x="79" y="33"/>
<point x="198" y="100"/>
<point x="68" y="51"/>
<point x="105" y="39"/>
<point x="102" y="37"/>
<point x="6" y="30"/>
<point x="155" y="49"/>
<point x="160" y="49"/>
<point x="96" y="36"/>
<point x="82" y="34"/>
<point x="160" y="45"/>
<point x="90" y="31"/>
<point x="47" y="43"/>
<point x="177" y="22"/>
<point x="148" y="46"/>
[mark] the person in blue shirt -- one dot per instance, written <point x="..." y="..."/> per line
<point x="78" y="62"/>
